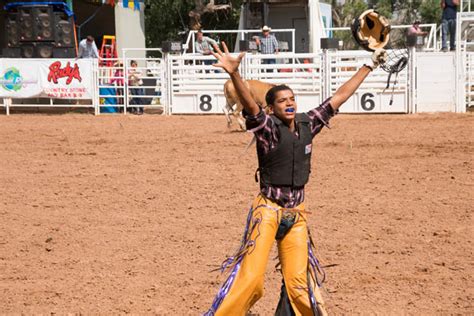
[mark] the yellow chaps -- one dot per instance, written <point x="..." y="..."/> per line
<point x="244" y="285"/>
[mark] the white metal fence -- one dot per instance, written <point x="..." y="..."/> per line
<point x="429" y="41"/>
<point x="470" y="79"/>
<point x="122" y="87"/>
<point x="195" y="86"/>
<point x="189" y="84"/>
<point x="287" y="34"/>
<point x="376" y="94"/>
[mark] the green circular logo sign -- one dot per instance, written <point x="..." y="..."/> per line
<point x="12" y="80"/>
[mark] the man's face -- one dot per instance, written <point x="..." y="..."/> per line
<point x="285" y="106"/>
<point x="265" y="33"/>
<point x="199" y="37"/>
<point x="89" y="42"/>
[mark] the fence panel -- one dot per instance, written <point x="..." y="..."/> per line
<point x="470" y="79"/>
<point x="110" y="86"/>
<point x="373" y="96"/>
<point x="436" y="82"/>
<point x="196" y="87"/>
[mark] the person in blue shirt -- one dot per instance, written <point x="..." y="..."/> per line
<point x="448" y="24"/>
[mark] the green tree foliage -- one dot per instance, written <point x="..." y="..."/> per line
<point x="165" y="19"/>
<point x="384" y="7"/>
<point x="343" y="15"/>
<point x="169" y="20"/>
<point x="430" y="11"/>
<point x="398" y="11"/>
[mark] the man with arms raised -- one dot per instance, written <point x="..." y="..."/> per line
<point x="284" y="147"/>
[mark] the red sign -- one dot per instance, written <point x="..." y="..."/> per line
<point x="56" y="72"/>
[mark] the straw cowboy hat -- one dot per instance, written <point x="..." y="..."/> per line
<point x="266" y="29"/>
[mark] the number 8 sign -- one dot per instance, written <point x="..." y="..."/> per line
<point x="205" y="102"/>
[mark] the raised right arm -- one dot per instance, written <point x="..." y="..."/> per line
<point x="231" y="66"/>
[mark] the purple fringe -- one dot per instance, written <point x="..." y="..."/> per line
<point x="235" y="260"/>
<point x="316" y="269"/>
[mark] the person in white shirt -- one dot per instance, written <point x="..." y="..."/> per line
<point x="135" y="90"/>
<point x="87" y="48"/>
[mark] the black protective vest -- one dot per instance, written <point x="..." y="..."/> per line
<point x="289" y="164"/>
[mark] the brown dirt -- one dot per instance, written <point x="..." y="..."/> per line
<point x="119" y="214"/>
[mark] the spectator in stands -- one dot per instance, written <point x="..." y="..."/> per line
<point x="135" y="82"/>
<point x="87" y="48"/>
<point x="267" y="44"/>
<point x="448" y="24"/>
<point x="416" y="30"/>
<point x="416" y="35"/>
<point x="204" y="46"/>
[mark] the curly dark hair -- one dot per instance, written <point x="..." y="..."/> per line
<point x="271" y="94"/>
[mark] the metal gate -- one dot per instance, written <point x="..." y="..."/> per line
<point x="197" y="87"/>
<point x="373" y="96"/>
<point x="117" y="92"/>
<point x="470" y="79"/>
<point x="436" y="82"/>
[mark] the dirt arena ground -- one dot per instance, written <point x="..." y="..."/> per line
<point x="126" y="214"/>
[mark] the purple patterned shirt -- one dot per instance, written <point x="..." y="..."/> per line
<point x="267" y="135"/>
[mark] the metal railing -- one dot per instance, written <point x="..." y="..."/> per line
<point x="470" y="79"/>
<point x="431" y="38"/>
<point x="467" y="6"/>
<point x="241" y="34"/>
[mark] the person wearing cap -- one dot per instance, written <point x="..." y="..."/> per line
<point x="267" y="44"/>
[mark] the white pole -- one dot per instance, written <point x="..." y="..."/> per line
<point x="316" y="29"/>
<point x="96" y="92"/>
<point x="7" y="103"/>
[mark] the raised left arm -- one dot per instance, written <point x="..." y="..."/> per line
<point x="349" y="87"/>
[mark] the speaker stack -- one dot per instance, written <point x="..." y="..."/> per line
<point x="64" y="36"/>
<point x="39" y="31"/>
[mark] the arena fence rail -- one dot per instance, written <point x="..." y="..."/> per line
<point x="189" y="84"/>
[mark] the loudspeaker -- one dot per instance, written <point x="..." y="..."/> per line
<point x="25" y="24"/>
<point x="43" y="26"/>
<point x="171" y="47"/>
<point x="329" y="43"/>
<point x="11" y="30"/>
<point x="67" y="52"/>
<point x="248" y="46"/>
<point x="37" y="50"/>
<point x="11" y="52"/>
<point x="64" y="33"/>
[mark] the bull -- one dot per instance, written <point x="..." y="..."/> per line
<point x="258" y="90"/>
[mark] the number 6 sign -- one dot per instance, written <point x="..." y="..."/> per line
<point x="367" y="102"/>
